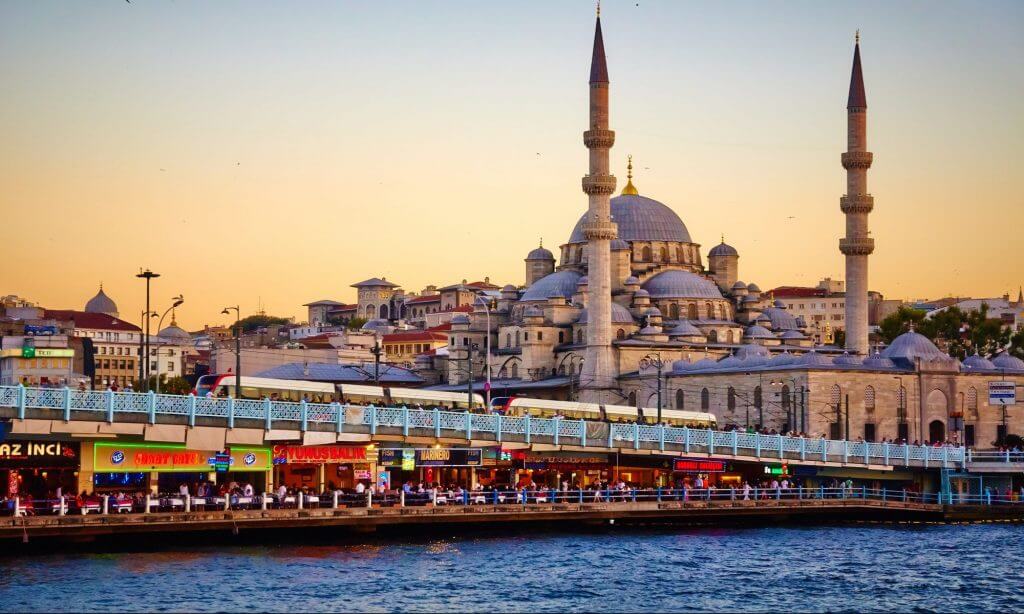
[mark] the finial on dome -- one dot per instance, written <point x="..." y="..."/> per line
<point x="599" y="10"/>
<point x="856" y="37"/>
<point x="542" y="241"/>
<point x="629" y="187"/>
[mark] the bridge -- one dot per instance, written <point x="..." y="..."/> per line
<point x="91" y="411"/>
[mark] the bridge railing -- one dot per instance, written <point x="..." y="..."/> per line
<point x="470" y="426"/>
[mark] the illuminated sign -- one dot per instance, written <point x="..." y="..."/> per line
<point x="776" y="470"/>
<point x="698" y="465"/>
<point x="37" y="330"/>
<point x="34" y="352"/>
<point x="408" y="458"/>
<point x="16" y="454"/>
<point x="135" y="458"/>
<point x="318" y="455"/>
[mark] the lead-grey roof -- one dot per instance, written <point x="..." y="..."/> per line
<point x="911" y="345"/>
<point x="977" y="363"/>
<point x="757" y="332"/>
<point x="723" y="250"/>
<point x="374" y="282"/>
<point x="685" y="329"/>
<point x="681" y="284"/>
<point x="781" y="319"/>
<point x="563" y="282"/>
<point x="1006" y="361"/>
<point x="101" y="303"/>
<point x="540" y="253"/>
<point x="640" y="219"/>
<point x="620" y="315"/>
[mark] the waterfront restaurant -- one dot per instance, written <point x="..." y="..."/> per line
<point x="325" y="467"/>
<point x="38" y="468"/>
<point x="163" y="468"/>
<point x="444" y="466"/>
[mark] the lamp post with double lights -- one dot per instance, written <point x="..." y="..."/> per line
<point x="178" y="300"/>
<point x="148" y="276"/>
<point x="143" y="357"/>
<point x="487" y="384"/>
<point x="654" y="360"/>
<point x="238" y="346"/>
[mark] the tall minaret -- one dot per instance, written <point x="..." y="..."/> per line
<point x="857" y="203"/>
<point x="599" y="367"/>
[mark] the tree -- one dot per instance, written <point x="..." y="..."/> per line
<point x="251" y="323"/>
<point x="176" y="385"/>
<point x="839" y="338"/>
<point x="1017" y="344"/>
<point x="958" y="333"/>
<point x="356" y="323"/>
<point x="895" y="324"/>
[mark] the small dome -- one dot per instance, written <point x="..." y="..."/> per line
<point x="780" y="318"/>
<point x="583" y="281"/>
<point x="174" y="333"/>
<point x="632" y="281"/>
<point x="681" y="284"/>
<point x="704" y="363"/>
<point x="540" y="253"/>
<point x="559" y="281"/>
<point x="620" y="315"/>
<point x="685" y="329"/>
<point x="763" y="320"/>
<point x="101" y="303"/>
<point x="848" y="360"/>
<point x="618" y="245"/>
<point x="794" y="335"/>
<point x="381" y="324"/>
<point x="801" y="322"/>
<point x="1009" y="362"/>
<point x="641" y="293"/>
<point x="813" y="359"/>
<point x="753" y="288"/>
<point x="508" y="288"/>
<point x="651" y="330"/>
<point x="877" y="361"/>
<point x="779" y="360"/>
<point x="459" y="319"/>
<point x="653" y="312"/>
<point x="723" y="250"/>
<point x="739" y="285"/>
<point x="779" y="304"/>
<point x="729" y="361"/>
<point x="750" y="298"/>
<point x="681" y="365"/>
<point x="912" y="345"/>
<point x="977" y="363"/>
<point x="757" y="332"/>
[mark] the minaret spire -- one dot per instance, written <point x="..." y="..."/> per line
<point x="599" y="365"/>
<point x="857" y="245"/>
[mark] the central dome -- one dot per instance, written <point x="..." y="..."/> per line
<point x="640" y="219"/>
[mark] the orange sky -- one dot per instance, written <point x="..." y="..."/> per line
<point x="252" y="152"/>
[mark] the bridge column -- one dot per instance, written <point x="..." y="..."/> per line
<point x="885" y="452"/>
<point x="636" y="436"/>
<point x="780" y="446"/>
<point x="303" y="415"/>
<point x="21" y="402"/>
<point x="906" y="454"/>
<point x="191" y="409"/>
<point x="735" y="443"/>
<point x="469" y="427"/>
<point x="803" y="449"/>
<point x="610" y="428"/>
<point x="661" y="437"/>
<point x="339" y="417"/>
<point x="846" y="451"/>
<point x="757" y="444"/>
<point x="824" y="449"/>
<point x="583" y="432"/>
<point x="497" y="428"/>
<point x="711" y="441"/>
<point x="558" y="426"/>
<point x="945" y="457"/>
<point x="151" y="406"/>
<point x="231" y="413"/>
<point x="437" y="423"/>
<point x="526" y="427"/>
<point x="686" y="439"/>
<point x="405" y="421"/>
<point x="267" y="412"/>
<point x="867" y="453"/>
<point x="67" y="404"/>
<point x="110" y="406"/>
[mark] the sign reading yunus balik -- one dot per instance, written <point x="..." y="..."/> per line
<point x="1002" y="393"/>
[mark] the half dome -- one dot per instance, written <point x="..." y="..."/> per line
<point x="681" y="284"/>
<point x="560" y="283"/>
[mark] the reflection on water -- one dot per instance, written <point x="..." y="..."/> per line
<point x="874" y="568"/>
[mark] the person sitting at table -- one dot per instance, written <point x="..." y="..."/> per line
<point x="282" y="492"/>
<point x="247" y="490"/>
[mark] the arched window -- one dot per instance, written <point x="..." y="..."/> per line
<point x="561" y="369"/>
<point x="631" y="399"/>
<point x="579" y="254"/>
<point x="705" y="399"/>
<point x="869" y="398"/>
<point x="579" y="335"/>
<point x="508" y="340"/>
<point x="757" y="397"/>
<point x="710" y="310"/>
<point x="730" y="400"/>
<point x="620" y="334"/>
<point x="384" y="312"/>
<point x="561" y="336"/>
<point x="371" y="312"/>
<point x="502" y="374"/>
<point x="834" y="396"/>
<point x="680" y="399"/>
<point x="713" y="336"/>
<point x="679" y="254"/>
<point x="526" y="335"/>
<point x="729" y="338"/>
<point x="663" y="254"/>
<point x="515" y="370"/>
<point x="673" y="311"/>
<point x="691" y="311"/>
<point x="517" y="338"/>
<point x="646" y="254"/>
<point x="972" y="398"/>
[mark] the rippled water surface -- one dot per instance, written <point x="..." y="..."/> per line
<point x="923" y="568"/>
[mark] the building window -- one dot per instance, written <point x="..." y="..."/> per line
<point x="705" y="399"/>
<point x="709" y="308"/>
<point x="869" y="399"/>
<point x="664" y="254"/>
<point x="561" y="336"/>
<point x="729" y="337"/>
<point x="673" y="311"/>
<point x="508" y="340"/>
<point x="680" y="399"/>
<point x="835" y="395"/>
<point x="646" y="257"/>
<point x="515" y="370"/>
<point x="869" y="431"/>
<point x="691" y="311"/>
<point x="620" y="334"/>
<point x="972" y="399"/>
<point x="579" y="336"/>
<point x="631" y="400"/>
<point x="730" y="399"/>
<point x="713" y="336"/>
<point x="540" y="336"/>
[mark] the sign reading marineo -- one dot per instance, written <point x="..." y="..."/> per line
<point x="16" y="454"/>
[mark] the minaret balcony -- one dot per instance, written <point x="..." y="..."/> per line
<point x="598" y="138"/>
<point x="860" y="203"/>
<point x="857" y="159"/>
<point x="597" y="229"/>
<point x="599" y="184"/>
<point x="856" y="246"/>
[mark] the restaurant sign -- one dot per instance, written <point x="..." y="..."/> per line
<point x="16" y="454"/>
<point x="318" y="455"/>
<point x="697" y="465"/>
<point x="140" y="458"/>
<point x="430" y="457"/>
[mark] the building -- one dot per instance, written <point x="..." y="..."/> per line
<point x="318" y="311"/>
<point x="403" y="347"/>
<point x="45" y="360"/>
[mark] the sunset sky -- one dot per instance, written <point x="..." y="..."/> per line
<point x="281" y="151"/>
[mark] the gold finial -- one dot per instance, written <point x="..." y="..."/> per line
<point x="856" y="37"/>
<point x="723" y="237"/>
<point x="630" y="188"/>
<point x="598" y="9"/>
<point x="542" y="241"/>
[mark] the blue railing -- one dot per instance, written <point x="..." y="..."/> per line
<point x="469" y="426"/>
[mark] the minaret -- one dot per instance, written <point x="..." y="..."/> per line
<point x="599" y="367"/>
<point x="857" y="203"/>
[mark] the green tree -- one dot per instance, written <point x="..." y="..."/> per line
<point x="356" y="323"/>
<point x="839" y="338"/>
<point x="895" y="324"/>
<point x="251" y="323"/>
<point x="175" y="385"/>
<point x="1017" y="344"/>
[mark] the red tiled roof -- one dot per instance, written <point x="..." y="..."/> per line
<point x="441" y="328"/>
<point x="85" y="319"/>
<point x="460" y="309"/>
<point x="796" y="292"/>
<point x="435" y="298"/>
<point x="414" y="336"/>
<point x="482" y="285"/>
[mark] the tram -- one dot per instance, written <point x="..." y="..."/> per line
<point x="544" y="408"/>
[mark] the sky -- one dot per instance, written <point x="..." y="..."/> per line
<point x="272" y="154"/>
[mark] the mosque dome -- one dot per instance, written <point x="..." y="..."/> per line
<point x="540" y="253"/>
<point x="1009" y="362"/>
<point x="751" y="351"/>
<point x="174" y="333"/>
<point x="877" y="361"/>
<point x="753" y="288"/>
<point x="685" y="329"/>
<point x="583" y="281"/>
<point x="619" y="245"/>
<point x="654" y="312"/>
<point x="729" y="361"/>
<point x="739" y="285"/>
<point x="704" y="363"/>
<point x="784" y="358"/>
<point x="792" y="335"/>
<point x="681" y="365"/>
<point x="848" y="360"/>
<point x="757" y="332"/>
<point x="681" y="284"/>
<point x="459" y="319"/>
<point x="563" y="282"/>
<point x="632" y="280"/>
<point x="640" y="219"/>
<point x="723" y="250"/>
<point x="382" y="325"/>
<point x="911" y="345"/>
<point x="620" y="315"/>
<point x="780" y="318"/>
<point x="641" y="293"/>
<point x="531" y="312"/>
<point x="978" y="363"/>
<point x="813" y="359"/>
<point x="101" y="303"/>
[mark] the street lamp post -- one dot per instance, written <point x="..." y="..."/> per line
<point x="654" y="360"/>
<point x="376" y="351"/>
<point x="142" y="347"/>
<point x="487" y="384"/>
<point x="238" y="346"/>
<point x="178" y="300"/>
<point x="901" y="411"/>
<point x="148" y="276"/>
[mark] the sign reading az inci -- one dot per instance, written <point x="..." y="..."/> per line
<point x="1002" y="393"/>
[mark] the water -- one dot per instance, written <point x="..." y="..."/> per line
<point x="869" y="567"/>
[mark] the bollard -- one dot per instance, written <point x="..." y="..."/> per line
<point x="188" y="503"/>
<point x="227" y="502"/>
<point x="263" y="502"/>
<point x="146" y="510"/>
<point x="369" y="498"/>
<point x="581" y="495"/>
<point x="300" y="499"/>
<point x="62" y="507"/>
<point x="106" y="504"/>
<point x="401" y="498"/>
<point x="17" y="503"/>
<point x="334" y="500"/>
